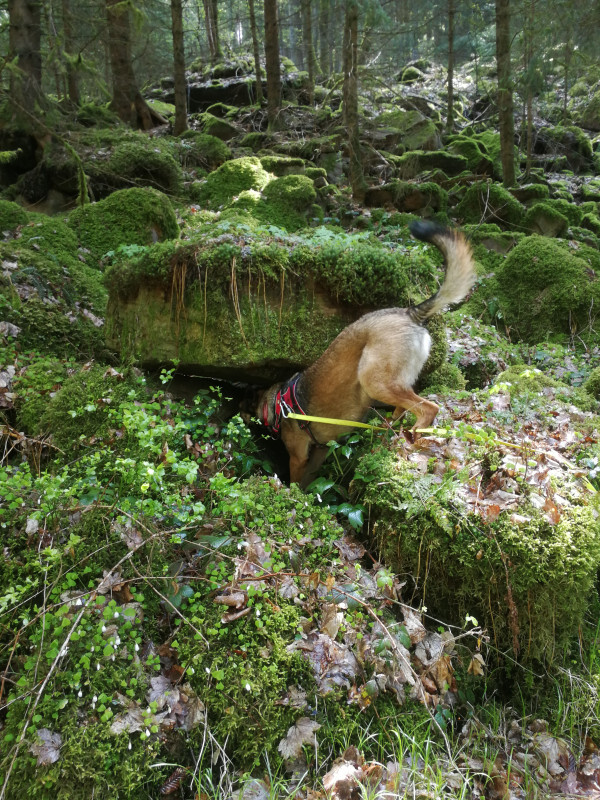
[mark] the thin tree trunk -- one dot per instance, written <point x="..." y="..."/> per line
<point x="25" y="34"/>
<point x="529" y="34"/>
<point x="272" y="63"/>
<point x="568" y="57"/>
<point x="69" y="47"/>
<point x="256" y="51"/>
<point x="505" y="97"/>
<point x="211" y="14"/>
<point x="350" y="56"/>
<point x="127" y="101"/>
<point x="179" y="68"/>
<point x="450" y="114"/>
<point x="324" y="42"/>
<point x="309" y="55"/>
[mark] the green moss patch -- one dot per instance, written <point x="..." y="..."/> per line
<point x="526" y="581"/>
<point x="11" y="216"/>
<point x="490" y="202"/>
<point x="127" y="217"/>
<point x="545" y="289"/>
<point x="231" y="178"/>
<point x="546" y="220"/>
<point x="202" y="150"/>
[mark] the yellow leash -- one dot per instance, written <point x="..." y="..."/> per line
<point x="350" y="423"/>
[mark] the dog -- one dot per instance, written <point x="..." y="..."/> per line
<point x="376" y="359"/>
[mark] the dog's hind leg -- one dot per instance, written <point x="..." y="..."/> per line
<point x="407" y="400"/>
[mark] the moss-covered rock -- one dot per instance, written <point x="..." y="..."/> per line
<point x="477" y="159"/>
<point x="567" y="208"/>
<point x="592" y="384"/>
<point x="590" y="191"/>
<point x="56" y="301"/>
<point x="415" y="131"/>
<point x="283" y="165"/>
<point x="411" y="74"/>
<point x="11" y="216"/>
<point x="522" y="381"/>
<point x="545" y="289"/>
<point x="490" y="202"/>
<point x="546" y="220"/>
<point x="531" y="193"/>
<point x="216" y="126"/>
<point x="141" y="164"/>
<point x="231" y="178"/>
<point x="221" y="304"/>
<point x="202" y="150"/>
<point x="592" y="223"/>
<point x="287" y="200"/>
<point x="130" y="216"/>
<point x="570" y="143"/>
<point x="447" y="377"/>
<point x="412" y="164"/>
<point x="462" y="565"/>
<point x="425" y="198"/>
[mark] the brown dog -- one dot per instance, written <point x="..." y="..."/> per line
<point x="378" y="358"/>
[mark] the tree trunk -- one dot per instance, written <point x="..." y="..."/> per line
<point x="325" y="54"/>
<point x="127" y="101"/>
<point x="450" y="114"/>
<point x="179" y="68"/>
<point x="272" y="63"/>
<point x="309" y="53"/>
<point x="69" y="48"/>
<point x="211" y="14"/>
<point x="505" y="97"/>
<point x="529" y="34"/>
<point x="25" y="46"/>
<point x="350" y="56"/>
<point x="256" y="52"/>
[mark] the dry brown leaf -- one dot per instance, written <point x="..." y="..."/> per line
<point x="300" y="734"/>
<point x="47" y="748"/>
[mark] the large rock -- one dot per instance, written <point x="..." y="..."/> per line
<point x="246" y="307"/>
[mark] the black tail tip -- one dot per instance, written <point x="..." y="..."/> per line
<point x="425" y="230"/>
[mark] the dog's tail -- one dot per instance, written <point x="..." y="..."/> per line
<point x="460" y="270"/>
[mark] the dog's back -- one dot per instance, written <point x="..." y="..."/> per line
<point x="378" y="358"/>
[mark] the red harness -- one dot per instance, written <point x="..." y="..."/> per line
<point x="286" y="402"/>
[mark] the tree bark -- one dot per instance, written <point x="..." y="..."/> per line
<point x="256" y="52"/>
<point x="350" y="93"/>
<point x="450" y="114"/>
<point x="69" y="48"/>
<point x="309" y="53"/>
<point x="211" y="14"/>
<point x="325" y="49"/>
<point x="25" y="45"/>
<point x="272" y="63"/>
<point x="127" y="101"/>
<point x="505" y="96"/>
<point x="179" y="68"/>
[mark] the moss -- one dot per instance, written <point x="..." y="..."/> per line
<point x="215" y="126"/>
<point x="411" y="75"/>
<point x="81" y="407"/>
<point x="256" y="140"/>
<point x="590" y="191"/>
<point x="477" y="159"/>
<point x="489" y="142"/>
<point x="546" y="220"/>
<point x="545" y="289"/>
<point x="93" y="763"/>
<point x="11" y="216"/>
<point x="490" y="202"/>
<point x="592" y="384"/>
<point x="288" y="293"/>
<point x="592" y="223"/>
<point x="531" y="193"/>
<point x="315" y="172"/>
<point x="523" y="380"/>
<point x="462" y="565"/>
<point x="231" y="178"/>
<point x="92" y="114"/>
<point x="568" y="208"/>
<point x="417" y="131"/>
<point x="412" y="164"/>
<point x="129" y="216"/>
<point x="202" y="150"/>
<point x="51" y="236"/>
<point x="287" y="201"/>
<point x="140" y="164"/>
<point x="283" y="165"/>
<point x="447" y="377"/>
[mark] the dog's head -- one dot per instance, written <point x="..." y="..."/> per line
<point x="257" y="403"/>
